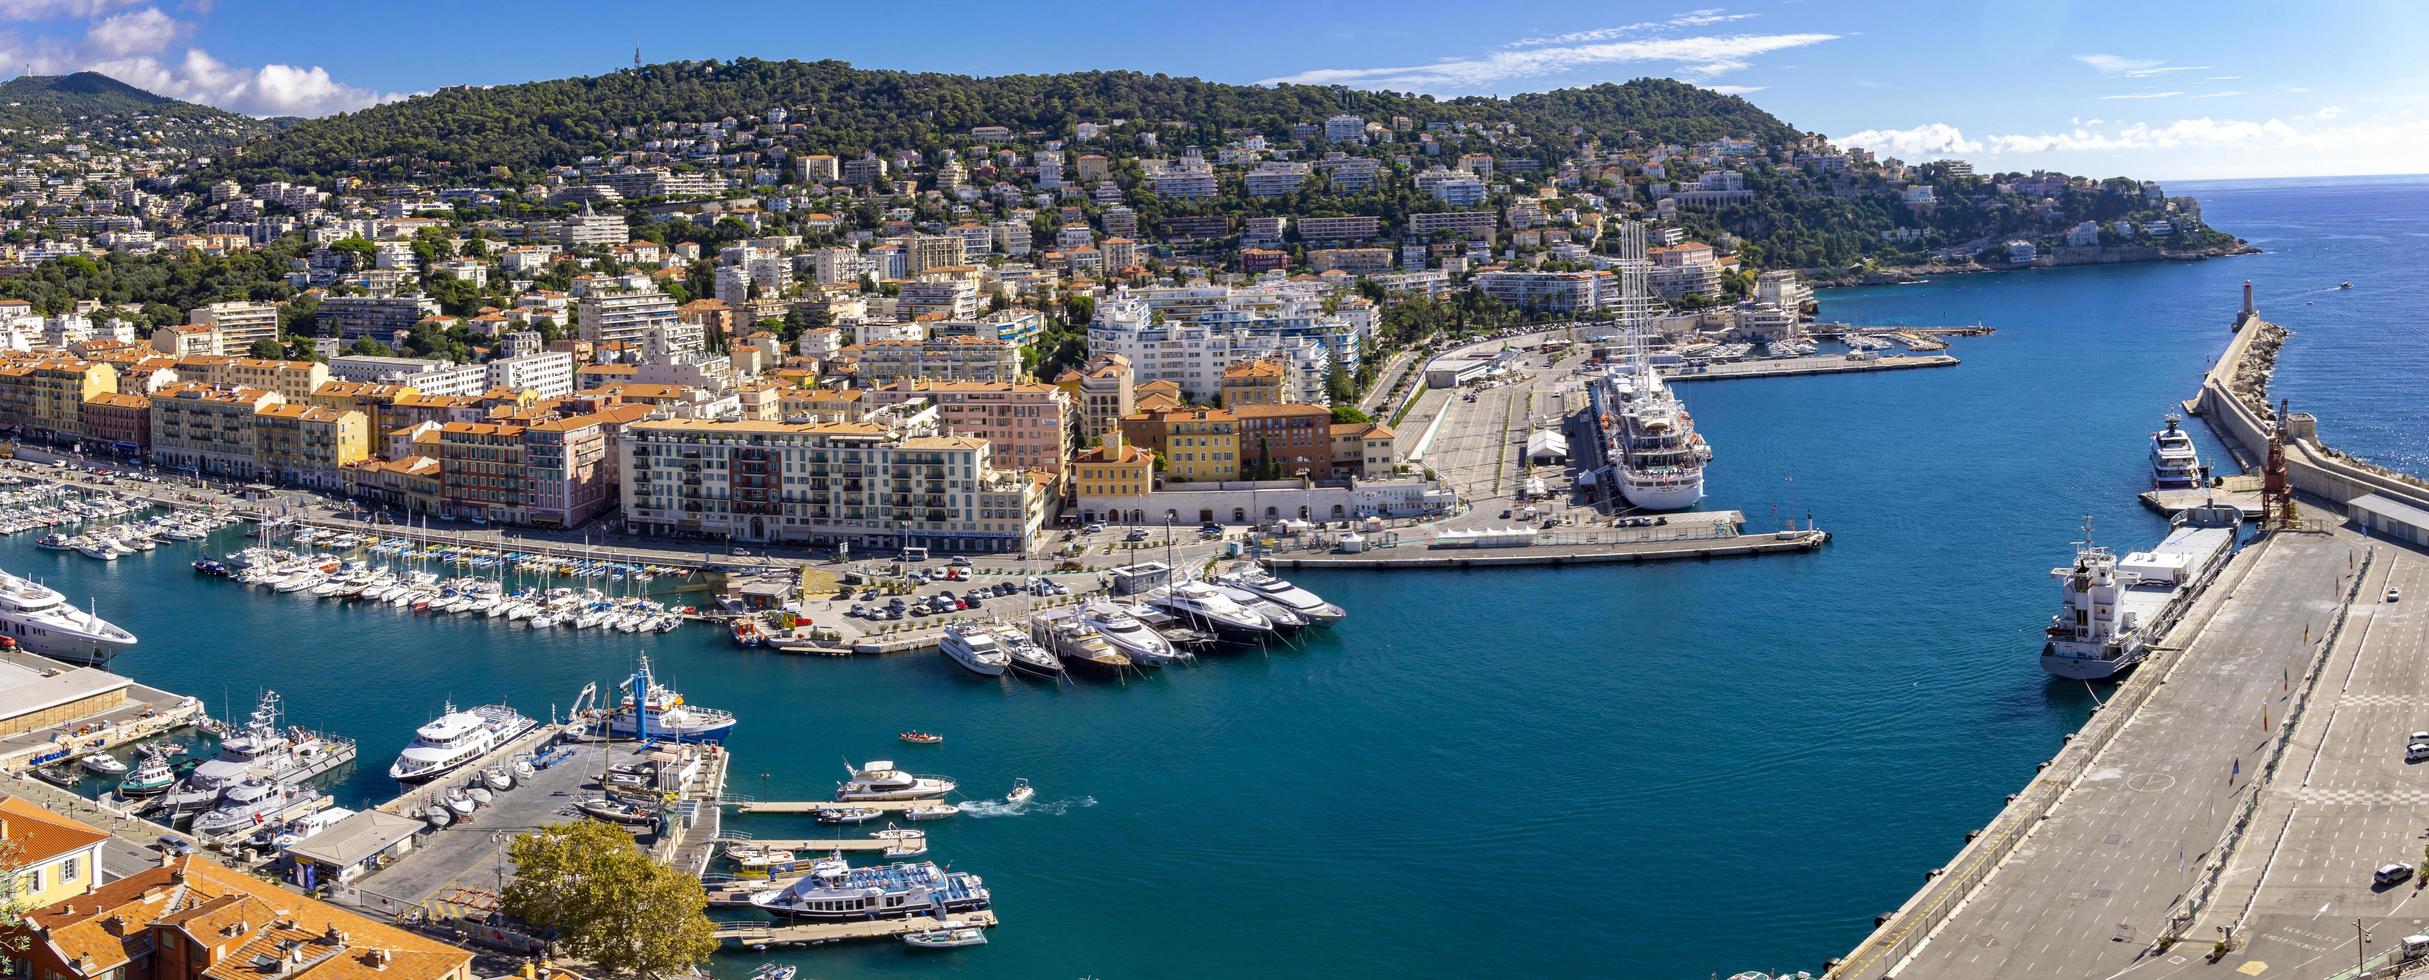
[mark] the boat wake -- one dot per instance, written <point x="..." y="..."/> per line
<point x="999" y="808"/>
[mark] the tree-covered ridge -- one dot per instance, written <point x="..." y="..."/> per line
<point x="852" y="109"/>
<point x="36" y="109"/>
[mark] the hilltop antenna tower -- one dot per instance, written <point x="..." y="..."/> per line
<point x="636" y="56"/>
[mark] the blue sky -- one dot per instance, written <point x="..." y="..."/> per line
<point x="2166" y="89"/>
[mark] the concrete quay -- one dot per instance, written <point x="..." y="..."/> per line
<point x="2113" y="844"/>
<point x="761" y="935"/>
<point x="1560" y="553"/>
<point x="1789" y="367"/>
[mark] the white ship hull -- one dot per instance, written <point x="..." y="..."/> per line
<point x="1666" y="496"/>
<point x="2085" y="668"/>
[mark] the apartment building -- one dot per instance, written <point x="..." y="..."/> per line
<point x="308" y="445"/>
<point x="1102" y="391"/>
<point x="52" y="858"/>
<point x="924" y="252"/>
<point x="623" y="316"/>
<point x="1355" y="261"/>
<point x="1264" y="381"/>
<point x="1351" y="228"/>
<point x="121" y="420"/>
<point x="1561" y="292"/>
<point x="1468" y="224"/>
<point x="376" y="400"/>
<point x="943" y="358"/>
<point x="240" y="323"/>
<point x="1027" y="425"/>
<point x="1112" y="470"/>
<point x="425" y="375"/>
<point x="379" y="318"/>
<point x="851" y="485"/>
<point x="1283" y="440"/>
<point x="207" y="429"/>
<point x="1364" y="450"/>
<point x="549" y="373"/>
<point x="1687" y="268"/>
<point x="45" y="397"/>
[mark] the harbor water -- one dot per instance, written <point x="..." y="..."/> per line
<point x="1658" y="771"/>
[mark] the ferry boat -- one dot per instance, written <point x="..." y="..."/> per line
<point x="654" y="711"/>
<point x="455" y="740"/>
<point x="2116" y="608"/>
<point x="40" y="620"/>
<point x="834" y="891"/>
<point x="2174" y="463"/>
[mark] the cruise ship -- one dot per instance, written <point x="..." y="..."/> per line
<point x="1652" y="455"/>
<point x="834" y="891"/>
<point x="2174" y="463"/>
<point x="41" y="620"/>
<point x="2116" y="608"/>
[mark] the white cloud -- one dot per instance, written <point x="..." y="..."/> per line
<point x="2222" y="78"/>
<point x="2141" y="95"/>
<point x="1739" y="89"/>
<point x="146" y="31"/>
<point x="136" y="47"/>
<point x="1929" y="139"/>
<point x="1693" y="18"/>
<point x="2164" y="69"/>
<point x="1694" y="56"/>
<point x="2109" y="64"/>
<point x="2299" y="90"/>
<point x="2218" y="95"/>
<point x="59" y="9"/>
<point x="2326" y="113"/>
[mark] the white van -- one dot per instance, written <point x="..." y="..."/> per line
<point x="2417" y="750"/>
<point x="2416" y="947"/>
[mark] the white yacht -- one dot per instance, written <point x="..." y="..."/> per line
<point x="1651" y="450"/>
<point x="1250" y="578"/>
<point x="455" y="740"/>
<point x="42" y="621"/>
<point x="1121" y="627"/>
<point x="2174" y="463"/>
<point x="2116" y="608"/>
<point x="834" y="891"/>
<point x="974" y="646"/>
<point x="1203" y="604"/>
<point x="881" y="781"/>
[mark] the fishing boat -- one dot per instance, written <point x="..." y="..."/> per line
<point x="917" y="737"/>
<point x="152" y="777"/>
<point x="102" y="764"/>
<point x="437" y="816"/>
<point x="1021" y="792"/>
<point x="946" y="936"/>
<point x="456" y="800"/>
<point x="846" y="814"/>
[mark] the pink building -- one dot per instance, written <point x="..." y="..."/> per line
<point x="1027" y="424"/>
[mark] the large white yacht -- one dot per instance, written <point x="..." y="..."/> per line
<point x="881" y="781"/>
<point x="1204" y="605"/>
<point x="1121" y="626"/>
<point x="2175" y="465"/>
<point x="456" y="739"/>
<point x="1250" y="578"/>
<point x="974" y="646"/>
<point x="41" y="620"/>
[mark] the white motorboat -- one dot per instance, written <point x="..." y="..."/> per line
<point x="879" y="780"/>
<point x="42" y="621"/>
<point x="1120" y="626"/>
<point x="1255" y="580"/>
<point x="455" y="739"/>
<point x="937" y="812"/>
<point x="462" y="805"/>
<point x="1021" y="792"/>
<point x="495" y="778"/>
<point x="102" y="764"/>
<point x="946" y="936"/>
<point x="2175" y="464"/>
<point x="976" y="648"/>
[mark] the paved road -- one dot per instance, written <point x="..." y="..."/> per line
<point x="2347" y="802"/>
<point x="2091" y="888"/>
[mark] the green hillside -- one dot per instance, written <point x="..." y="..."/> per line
<point x="90" y="107"/>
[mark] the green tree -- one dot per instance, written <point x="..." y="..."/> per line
<point x="607" y="902"/>
<point x="268" y="349"/>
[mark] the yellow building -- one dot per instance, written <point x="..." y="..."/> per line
<point x="376" y="400"/>
<point x="1258" y="382"/>
<point x="309" y="445"/>
<point x="57" y="858"/>
<point x="46" y="396"/>
<point x="206" y="428"/>
<point x="1201" y="445"/>
<point x="1112" y="469"/>
<point x="293" y="380"/>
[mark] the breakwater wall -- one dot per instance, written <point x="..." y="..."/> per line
<point x="2234" y="403"/>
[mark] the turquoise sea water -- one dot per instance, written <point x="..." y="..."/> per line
<point x="1663" y="771"/>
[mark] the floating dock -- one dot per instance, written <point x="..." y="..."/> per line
<point x="759" y="935"/>
<point x="1788" y="367"/>
<point x="798" y="806"/>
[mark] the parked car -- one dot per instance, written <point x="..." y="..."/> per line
<point x="1093" y="528"/>
<point x="1136" y="534"/>
<point x="2394" y="594"/>
<point x="2388" y="874"/>
<point x="959" y="561"/>
<point x="2418" y="750"/>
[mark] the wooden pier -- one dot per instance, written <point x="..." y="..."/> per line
<point x="760" y="935"/>
<point x="798" y="806"/>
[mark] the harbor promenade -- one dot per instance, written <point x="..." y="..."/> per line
<point x="2112" y="845"/>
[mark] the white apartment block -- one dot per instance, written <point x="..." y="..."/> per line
<point x="240" y="323"/>
<point x="625" y="317"/>
<point x="551" y="373"/>
<point x="430" y="377"/>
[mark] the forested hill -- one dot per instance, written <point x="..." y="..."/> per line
<point x="93" y="107"/>
<point x="849" y="109"/>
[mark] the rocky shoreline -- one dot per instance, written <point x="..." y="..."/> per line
<point x="2056" y="258"/>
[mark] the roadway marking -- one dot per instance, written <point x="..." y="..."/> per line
<point x="2149" y="782"/>
<point x="2253" y="968"/>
